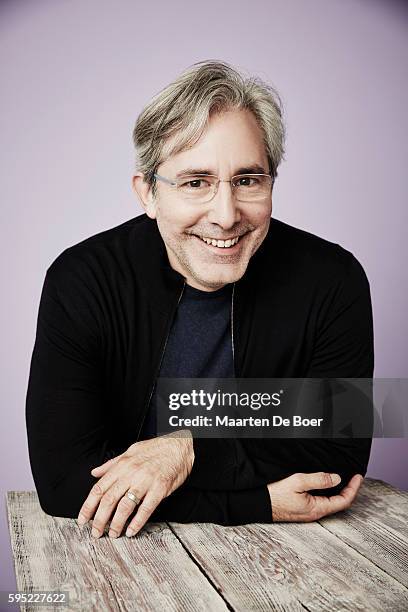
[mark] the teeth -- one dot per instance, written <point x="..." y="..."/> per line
<point x="220" y="243"/>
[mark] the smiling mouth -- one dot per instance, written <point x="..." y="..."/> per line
<point x="221" y="244"/>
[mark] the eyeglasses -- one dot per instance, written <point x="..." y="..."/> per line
<point x="201" y="188"/>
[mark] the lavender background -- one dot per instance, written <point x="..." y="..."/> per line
<point x="76" y="74"/>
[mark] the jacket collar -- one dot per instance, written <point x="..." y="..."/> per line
<point x="160" y="283"/>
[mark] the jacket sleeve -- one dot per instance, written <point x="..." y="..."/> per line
<point x="65" y="418"/>
<point x="343" y="348"/>
<point x="192" y="505"/>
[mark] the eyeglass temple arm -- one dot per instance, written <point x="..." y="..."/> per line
<point x="163" y="178"/>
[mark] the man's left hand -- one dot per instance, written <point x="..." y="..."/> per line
<point x="152" y="469"/>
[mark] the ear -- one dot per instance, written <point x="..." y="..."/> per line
<point x="144" y="194"/>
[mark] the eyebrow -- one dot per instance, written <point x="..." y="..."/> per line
<point x="252" y="169"/>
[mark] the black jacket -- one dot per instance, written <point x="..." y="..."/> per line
<point x="302" y="309"/>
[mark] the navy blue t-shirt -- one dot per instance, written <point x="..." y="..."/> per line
<point x="199" y="344"/>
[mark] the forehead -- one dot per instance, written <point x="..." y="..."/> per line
<point x="232" y="140"/>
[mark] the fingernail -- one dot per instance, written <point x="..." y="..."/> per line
<point x="95" y="532"/>
<point x="112" y="533"/>
<point x="82" y="520"/>
<point x="130" y="532"/>
<point x="335" y="478"/>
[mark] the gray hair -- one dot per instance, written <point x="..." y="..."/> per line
<point x="183" y="108"/>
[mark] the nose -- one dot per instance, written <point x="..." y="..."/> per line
<point x="224" y="209"/>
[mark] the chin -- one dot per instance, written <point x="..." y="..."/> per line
<point x="214" y="280"/>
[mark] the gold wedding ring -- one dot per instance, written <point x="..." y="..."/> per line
<point x="133" y="497"/>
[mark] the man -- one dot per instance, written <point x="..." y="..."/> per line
<point x="203" y="284"/>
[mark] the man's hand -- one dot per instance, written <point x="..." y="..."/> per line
<point x="153" y="469"/>
<point x="291" y="501"/>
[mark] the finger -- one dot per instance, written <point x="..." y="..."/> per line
<point x="351" y="489"/>
<point x="101" y="469"/>
<point x="342" y="501"/>
<point x="95" y="495"/>
<point x="107" y="506"/>
<point x="124" y="509"/>
<point x="147" y="507"/>
<point x="316" y="480"/>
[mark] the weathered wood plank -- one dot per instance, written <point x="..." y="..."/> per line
<point x="376" y="526"/>
<point x="151" y="571"/>
<point x="356" y="561"/>
<point x="289" y="566"/>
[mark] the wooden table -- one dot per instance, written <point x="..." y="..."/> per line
<point x="354" y="560"/>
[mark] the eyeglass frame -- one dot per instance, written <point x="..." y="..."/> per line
<point x="175" y="182"/>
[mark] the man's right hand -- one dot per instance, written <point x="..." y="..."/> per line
<point x="291" y="501"/>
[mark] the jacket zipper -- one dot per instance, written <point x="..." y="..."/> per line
<point x="160" y="362"/>
<point x="232" y="328"/>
